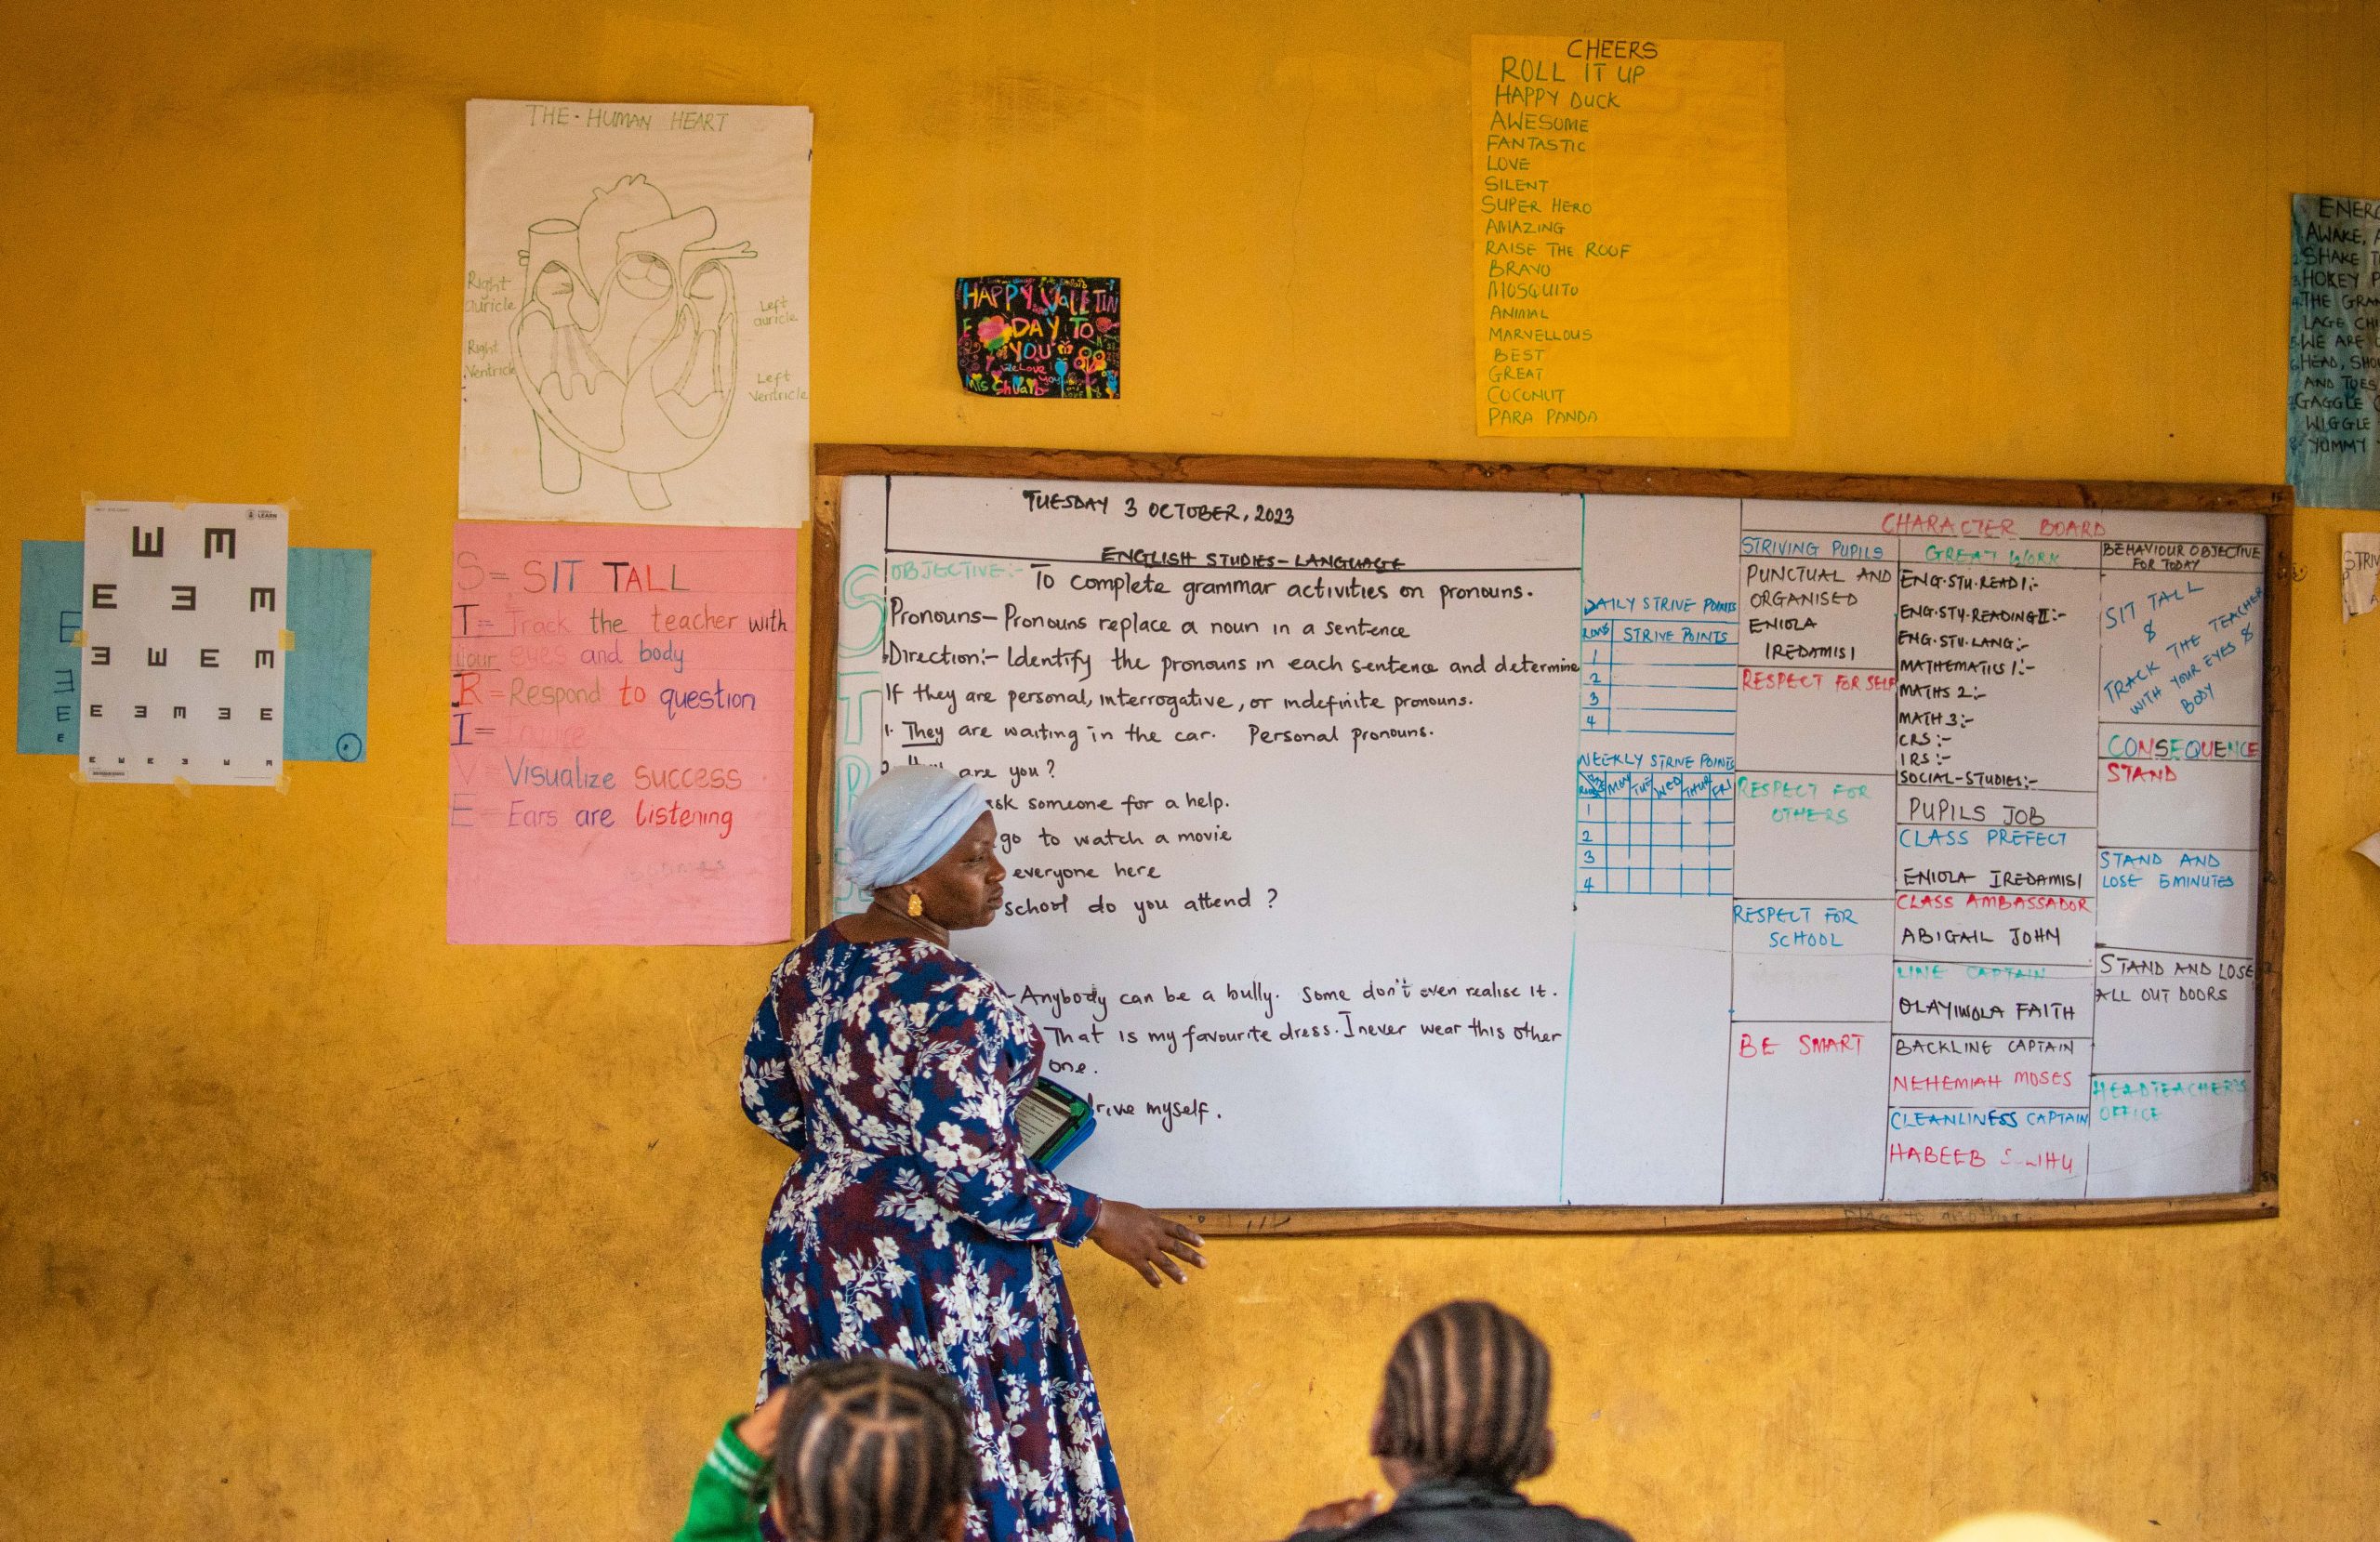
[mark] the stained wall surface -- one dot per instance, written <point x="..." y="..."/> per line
<point x="312" y="1226"/>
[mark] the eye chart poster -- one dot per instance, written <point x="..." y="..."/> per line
<point x="184" y="611"/>
<point x="636" y="313"/>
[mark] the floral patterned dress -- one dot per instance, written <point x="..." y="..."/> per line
<point x="915" y="1226"/>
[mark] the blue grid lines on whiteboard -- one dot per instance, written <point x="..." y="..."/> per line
<point x="1655" y="798"/>
<point x="1655" y="832"/>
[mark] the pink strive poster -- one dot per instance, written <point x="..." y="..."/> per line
<point x="620" y="733"/>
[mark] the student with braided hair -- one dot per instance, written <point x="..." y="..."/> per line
<point x="862" y="1450"/>
<point x="1460" y="1426"/>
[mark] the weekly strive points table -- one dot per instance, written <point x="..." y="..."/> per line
<point x="1642" y="851"/>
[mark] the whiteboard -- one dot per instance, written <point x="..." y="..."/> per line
<point x="1401" y="848"/>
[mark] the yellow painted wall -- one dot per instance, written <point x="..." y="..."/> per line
<point x="312" y="1227"/>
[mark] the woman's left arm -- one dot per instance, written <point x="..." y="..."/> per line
<point x="771" y="1099"/>
<point x="966" y="1133"/>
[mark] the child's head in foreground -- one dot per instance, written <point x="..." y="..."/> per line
<point x="1464" y="1401"/>
<point x="872" y="1451"/>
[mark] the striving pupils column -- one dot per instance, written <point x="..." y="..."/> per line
<point x="1994" y="857"/>
<point x="1812" y="1012"/>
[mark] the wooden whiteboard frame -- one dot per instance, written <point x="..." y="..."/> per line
<point x="2277" y="504"/>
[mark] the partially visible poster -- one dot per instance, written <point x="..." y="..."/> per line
<point x="2359" y="572"/>
<point x="1628" y="225"/>
<point x="49" y="654"/>
<point x="2333" y="351"/>
<point x="1026" y="335"/>
<point x="184" y="611"/>
<point x="636" y="313"/>
<point x="620" y="735"/>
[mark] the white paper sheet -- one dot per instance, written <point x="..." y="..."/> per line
<point x="636" y="315"/>
<point x="182" y="664"/>
<point x="2359" y="570"/>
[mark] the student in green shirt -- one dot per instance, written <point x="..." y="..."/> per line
<point x="862" y="1450"/>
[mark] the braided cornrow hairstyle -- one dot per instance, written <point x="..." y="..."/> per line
<point x="871" y="1451"/>
<point x="1466" y="1396"/>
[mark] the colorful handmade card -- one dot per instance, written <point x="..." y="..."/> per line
<point x="1023" y="336"/>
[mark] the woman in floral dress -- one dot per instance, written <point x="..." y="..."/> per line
<point x="914" y="1224"/>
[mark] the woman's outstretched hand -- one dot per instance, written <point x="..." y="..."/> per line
<point x="1147" y="1240"/>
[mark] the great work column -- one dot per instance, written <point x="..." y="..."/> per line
<point x="1995" y="854"/>
<point x="1811" y="1040"/>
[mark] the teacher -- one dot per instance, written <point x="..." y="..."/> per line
<point x="914" y="1224"/>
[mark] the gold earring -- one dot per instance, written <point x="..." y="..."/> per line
<point x="917" y="906"/>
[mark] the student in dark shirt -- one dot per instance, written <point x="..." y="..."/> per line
<point x="1461" y="1424"/>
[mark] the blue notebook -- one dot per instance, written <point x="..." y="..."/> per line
<point x="1054" y="1120"/>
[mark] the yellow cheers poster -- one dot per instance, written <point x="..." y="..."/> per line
<point x="1628" y="237"/>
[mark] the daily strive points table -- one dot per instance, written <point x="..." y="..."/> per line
<point x="1412" y="848"/>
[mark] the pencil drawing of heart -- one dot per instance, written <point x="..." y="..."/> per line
<point x="992" y="332"/>
<point x="626" y="343"/>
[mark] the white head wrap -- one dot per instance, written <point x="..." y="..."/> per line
<point x="904" y="821"/>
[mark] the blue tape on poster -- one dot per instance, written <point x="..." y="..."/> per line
<point x="49" y="671"/>
<point x="330" y="614"/>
